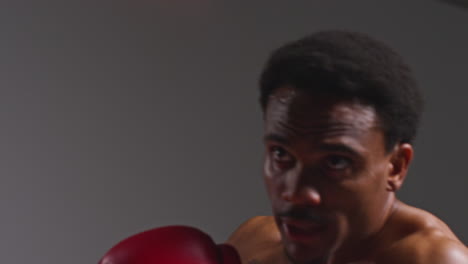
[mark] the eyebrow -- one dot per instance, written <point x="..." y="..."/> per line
<point x="337" y="147"/>
<point x="276" y="138"/>
<point x="332" y="147"/>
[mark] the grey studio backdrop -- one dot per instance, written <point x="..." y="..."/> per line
<point x="121" y="116"/>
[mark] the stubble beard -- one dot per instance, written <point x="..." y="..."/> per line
<point x="322" y="260"/>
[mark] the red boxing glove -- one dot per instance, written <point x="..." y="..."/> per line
<point x="171" y="245"/>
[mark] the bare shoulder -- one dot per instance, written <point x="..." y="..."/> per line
<point x="445" y="250"/>
<point x="428" y="247"/>
<point x="253" y="230"/>
<point x="256" y="238"/>
<point x="424" y="239"/>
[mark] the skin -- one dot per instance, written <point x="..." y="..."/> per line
<point x="329" y="176"/>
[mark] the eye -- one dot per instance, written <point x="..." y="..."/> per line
<point x="280" y="154"/>
<point x="280" y="158"/>
<point x="337" y="163"/>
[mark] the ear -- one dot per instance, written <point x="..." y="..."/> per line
<point x="401" y="157"/>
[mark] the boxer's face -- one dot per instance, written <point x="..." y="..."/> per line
<point x="325" y="171"/>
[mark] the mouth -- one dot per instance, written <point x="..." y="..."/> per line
<point x="303" y="231"/>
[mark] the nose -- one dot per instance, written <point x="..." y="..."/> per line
<point x="305" y="196"/>
<point x="301" y="189"/>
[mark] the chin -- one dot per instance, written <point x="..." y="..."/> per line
<point x="309" y="248"/>
<point x="301" y="254"/>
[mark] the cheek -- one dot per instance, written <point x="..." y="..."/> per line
<point x="270" y="180"/>
<point x="359" y="204"/>
<point x="275" y="182"/>
<point x="349" y="213"/>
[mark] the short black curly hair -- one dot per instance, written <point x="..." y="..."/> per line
<point x="350" y="65"/>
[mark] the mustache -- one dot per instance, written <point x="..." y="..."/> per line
<point x="303" y="214"/>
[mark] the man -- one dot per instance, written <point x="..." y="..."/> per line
<point x="341" y="111"/>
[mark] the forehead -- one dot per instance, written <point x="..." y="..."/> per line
<point x="299" y="113"/>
